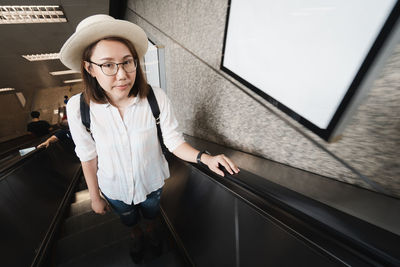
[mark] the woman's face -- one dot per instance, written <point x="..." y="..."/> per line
<point x="117" y="87"/>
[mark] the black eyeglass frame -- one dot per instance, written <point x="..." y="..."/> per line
<point x="122" y="63"/>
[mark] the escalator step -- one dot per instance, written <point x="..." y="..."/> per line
<point x="82" y="222"/>
<point x="81" y="195"/>
<point x="98" y="236"/>
<point x="89" y="239"/>
<point x="117" y="255"/>
<point x="101" y="240"/>
<point x="81" y="207"/>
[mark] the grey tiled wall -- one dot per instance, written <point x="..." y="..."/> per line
<point x="212" y="106"/>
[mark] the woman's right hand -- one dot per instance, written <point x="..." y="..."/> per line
<point x="100" y="206"/>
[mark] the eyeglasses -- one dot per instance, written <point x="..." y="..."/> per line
<point x="111" y="68"/>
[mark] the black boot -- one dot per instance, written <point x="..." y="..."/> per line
<point x="136" y="244"/>
<point x="154" y="235"/>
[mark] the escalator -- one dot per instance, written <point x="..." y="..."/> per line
<point x="46" y="217"/>
<point x="238" y="220"/>
<point x="34" y="191"/>
<point x="247" y="220"/>
<point x="89" y="239"/>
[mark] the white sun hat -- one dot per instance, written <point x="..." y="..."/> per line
<point x="97" y="27"/>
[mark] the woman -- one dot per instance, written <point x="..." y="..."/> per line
<point x="123" y="157"/>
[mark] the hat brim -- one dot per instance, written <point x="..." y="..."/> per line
<point x="72" y="50"/>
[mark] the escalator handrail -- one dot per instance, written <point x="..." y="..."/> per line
<point x="353" y="233"/>
<point x="25" y="143"/>
<point x="13" y="165"/>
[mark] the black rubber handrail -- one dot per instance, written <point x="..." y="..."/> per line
<point x="12" y="163"/>
<point x="25" y="141"/>
<point x="15" y="164"/>
<point x="338" y="229"/>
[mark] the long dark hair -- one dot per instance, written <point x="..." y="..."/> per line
<point x="94" y="92"/>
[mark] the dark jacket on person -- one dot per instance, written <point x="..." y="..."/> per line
<point x="64" y="135"/>
<point x="38" y="128"/>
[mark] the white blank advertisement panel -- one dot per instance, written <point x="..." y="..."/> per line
<point x="303" y="54"/>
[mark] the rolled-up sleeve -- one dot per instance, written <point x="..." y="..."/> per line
<point x="169" y="125"/>
<point x="85" y="146"/>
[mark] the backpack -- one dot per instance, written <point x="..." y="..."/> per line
<point x="85" y="117"/>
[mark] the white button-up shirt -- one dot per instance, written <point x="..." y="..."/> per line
<point x="130" y="161"/>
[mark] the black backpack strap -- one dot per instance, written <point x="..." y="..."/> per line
<point x="85" y="113"/>
<point x="156" y="113"/>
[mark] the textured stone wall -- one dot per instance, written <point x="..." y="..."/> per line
<point x="212" y="106"/>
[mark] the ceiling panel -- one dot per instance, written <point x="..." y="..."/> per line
<point x="21" y="39"/>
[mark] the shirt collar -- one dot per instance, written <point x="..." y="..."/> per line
<point x="134" y="102"/>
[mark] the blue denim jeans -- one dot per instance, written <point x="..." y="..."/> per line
<point x="130" y="215"/>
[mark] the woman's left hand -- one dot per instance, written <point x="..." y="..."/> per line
<point x="213" y="163"/>
<point x="45" y="144"/>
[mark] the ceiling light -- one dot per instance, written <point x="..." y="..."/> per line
<point x="31" y="14"/>
<point x="21" y="98"/>
<point x="6" y="89"/>
<point x="73" y="81"/>
<point x="38" y="57"/>
<point x="63" y="72"/>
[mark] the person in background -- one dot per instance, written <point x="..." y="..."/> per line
<point x="38" y="127"/>
<point x="64" y="122"/>
<point x="63" y="135"/>
<point x="65" y="99"/>
<point x="122" y="161"/>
